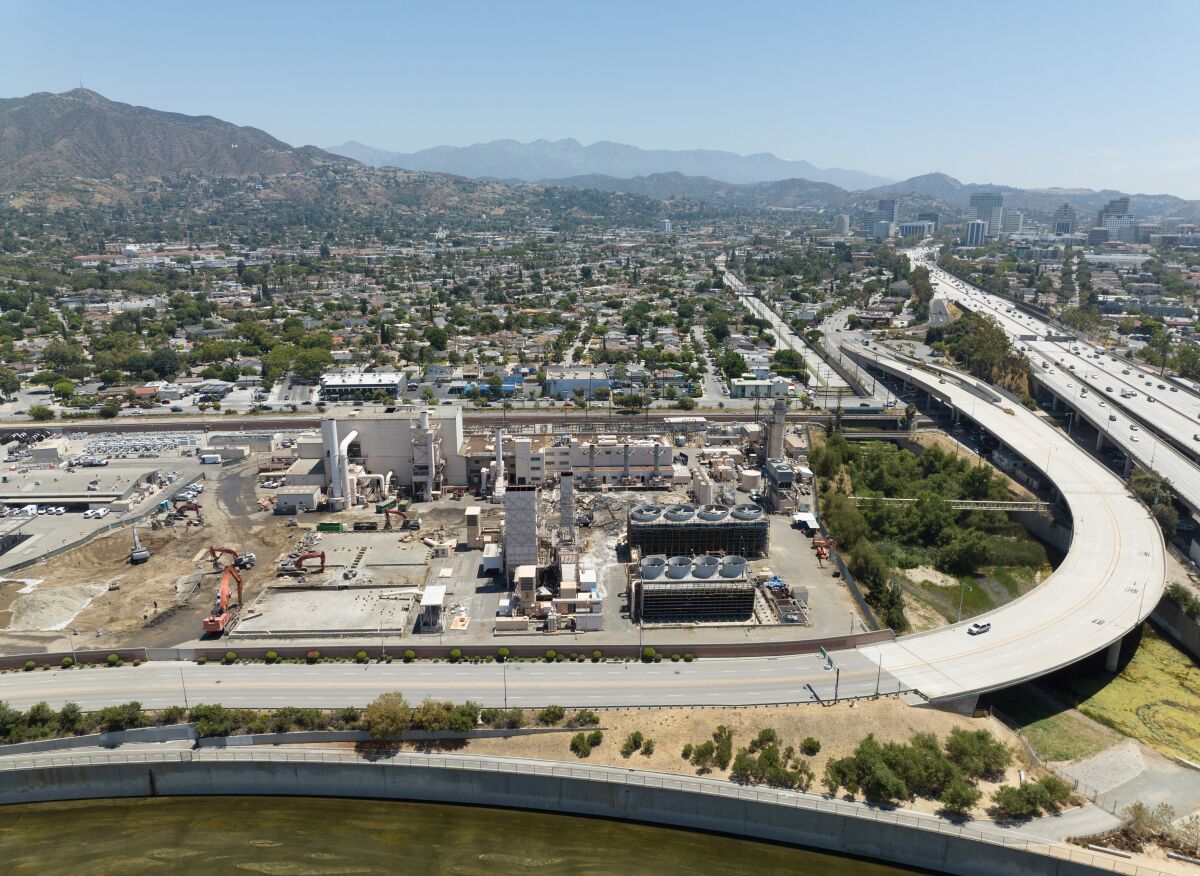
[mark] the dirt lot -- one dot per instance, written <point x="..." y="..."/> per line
<point x="94" y="589"/>
<point x="839" y="729"/>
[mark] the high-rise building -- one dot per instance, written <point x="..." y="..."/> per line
<point x="1120" y="227"/>
<point x="841" y="223"/>
<point x="885" y="210"/>
<point x="1065" y="219"/>
<point x="1012" y="222"/>
<point x="988" y="207"/>
<point x="664" y="225"/>
<point x="882" y="229"/>
<point x="916" y="229"/>
<point x="1115" y="207"/>
<point x="929" y="217"/>
<point x="976" y="232"/>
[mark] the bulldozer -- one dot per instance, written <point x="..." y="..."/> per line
<point x="296" y="566"/>
<point x="223" y="615"/>
<point x="240" y="561"/>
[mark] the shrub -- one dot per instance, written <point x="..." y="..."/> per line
<point x="201" y="660"/>
<point x="584" y="718"/>
<point x="387" y="716"/>
<point x="212" y="719"/>
<point x="70" y="718"/>
<point x="361" y="657"/>
<point x="30" y="665"/>
<point x="170" y="715"/>
<point x="633" y="742"/>
<point x="810" y="746"/>
<point x="595" y="738"/>
<point x="687" y="751"/>
<point x="580" y="745"/>
<point x="271" y="657"/>
<point x="723" y="737"/>
<point x="230" y="657"/>
<point x="409" y="656"/>
<point x="674" y="658"/>
<point x="688" y="658"/>
<point x="113" y="660"/>
<point x="503" y="719"/>
<point x="764" y="738"/>
<point x="648" y="747"/>
<point x="551" y="715"/>
<point x="959" y="797"/>
<point x="596" y="655"/>
<point x="1058" y="791"/>
<point x="977" y="753"/>
<point x="67" y="663"/>
<point x="1014" y="804"/>
<point x="648" y="654"/>
<point x="312" y="656"/>
<point x="502" y="655"/>
<point x="455" y="655"/>
<point x="550" y="656"/>
<point x="123" y="717"/>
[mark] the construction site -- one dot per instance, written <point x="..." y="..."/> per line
<point x="401" y="526"/>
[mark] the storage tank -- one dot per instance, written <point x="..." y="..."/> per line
<point x="679" y="513"/>
<point x="705" y="567"/>
<point x="705" y="492"/>
<point x="653" y="567"/>
<point x="751" y="479"/>
<point x="733" y="566"/>
<point x="645" y="513"/>
<point x="747" y="511"/>
<point x="712" y="512"/>
<point x="679" y="567"/>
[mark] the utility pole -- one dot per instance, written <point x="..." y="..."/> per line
<point x="183" y="684"/>
<point x="962" y="591"/>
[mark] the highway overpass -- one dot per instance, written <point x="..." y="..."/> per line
<point x="1110" y="580"/>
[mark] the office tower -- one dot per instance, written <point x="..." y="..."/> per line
<point x="1012" y="222"/>
<point x="976" y="232"/>
<point x="1064" y="219"/>
<point x="1115" y="207"/>
<point x="841" y="224"/>
<point x="885" y="211"/>
<point x="929" y="217"/>
<point x="988" y="207"/>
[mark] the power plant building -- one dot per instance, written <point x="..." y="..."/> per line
<point x="688" y="530"/>
<point x="682" y="588"/>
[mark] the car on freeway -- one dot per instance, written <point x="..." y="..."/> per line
<point x="89" y="514"/>
<point x="1112" y="417"/>
<point x="1133" y="427"/>
<point x="1135" y="439"/>
<point x="978" y="629"/>
<point x="1150" y="399"/>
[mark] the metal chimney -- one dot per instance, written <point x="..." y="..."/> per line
<point x="566" y="505"/>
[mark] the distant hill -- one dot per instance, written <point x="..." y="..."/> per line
<point x="80" y="133"/>
<point x="543" y="160"/>
<point x="940" y="187"/>
<point x="788" y="194"/>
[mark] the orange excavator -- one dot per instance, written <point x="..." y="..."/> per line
<point x="182" y="508"/>
<point x="389" y="513"/>
<point x="240" y="561"/>
<point x="296" y="566"/>
<point x="222" y="616"/>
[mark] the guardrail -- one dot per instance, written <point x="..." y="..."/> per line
<point x="598" y="775"/>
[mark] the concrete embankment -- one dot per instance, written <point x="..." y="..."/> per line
<point x="779" y="816"/>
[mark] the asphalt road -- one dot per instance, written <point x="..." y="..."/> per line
<point x="743" y="681"/>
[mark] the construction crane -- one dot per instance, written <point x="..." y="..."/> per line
<point x="139" y="553"/>
<point x="240" y="561"/>
<point x="296" y="566"/>
<point x="222" y="616"/>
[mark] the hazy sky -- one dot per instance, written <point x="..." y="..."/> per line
<point x="1097" y="94"/>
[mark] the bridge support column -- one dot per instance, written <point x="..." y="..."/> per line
<point x="1113" y="656"/>
<point x="1054" y="403"/>
<point x="1099" y="440"/>
<point x="1128" y="465"/>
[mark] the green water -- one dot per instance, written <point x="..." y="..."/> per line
<point x="282" y="836"/>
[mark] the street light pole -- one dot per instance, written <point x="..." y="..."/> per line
<point x="504" y="673"/>
<point x="183" y="684"/>
<point x="962" y="591"/>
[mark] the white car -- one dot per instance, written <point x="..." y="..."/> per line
<point x="101" y="512"/>
<point x="89" y="514"/>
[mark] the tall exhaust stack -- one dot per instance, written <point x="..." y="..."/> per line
<point x="566" y="506"/>
<point x="777" y="429"/>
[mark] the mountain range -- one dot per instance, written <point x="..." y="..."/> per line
<point x="80" y="133"/>
<point x="543" y="160"/>
<point x="81" y="147"/>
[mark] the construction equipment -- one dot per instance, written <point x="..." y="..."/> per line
<point x="222" y="615"/>
<point x="183" y="507"/>
<point x="389" y="513"/>
<point x="139" y="553"/>
<point x="240" y="561"/>
<point x="296" y="566"/>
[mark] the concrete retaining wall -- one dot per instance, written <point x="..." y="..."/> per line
<point x="170" y="733"/>
<point x="1183" y="629"/>
<point x="647" y="797"/>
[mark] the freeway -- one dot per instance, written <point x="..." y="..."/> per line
<point x="1107" y="584"/>
<point x="723" y="682"/>
<point x="1121" y="399"/>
